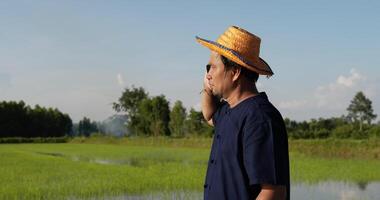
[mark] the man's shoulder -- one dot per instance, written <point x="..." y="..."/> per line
<point x="262" y="110"/>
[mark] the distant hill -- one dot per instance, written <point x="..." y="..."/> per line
<point x="114" y="125"/>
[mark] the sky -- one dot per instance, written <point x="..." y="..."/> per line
<point x="79" y="56"/>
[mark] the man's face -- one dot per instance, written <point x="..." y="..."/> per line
<point x="220" y="81"/>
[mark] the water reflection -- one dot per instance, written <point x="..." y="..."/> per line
<point x="299" y="191"/>
<point x="179" y="195"/>
<point x="336" y="190"/>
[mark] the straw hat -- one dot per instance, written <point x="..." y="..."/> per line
<point x="241" y="47"/>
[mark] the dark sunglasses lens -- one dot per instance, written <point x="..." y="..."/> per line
<point x="208" y="68"/>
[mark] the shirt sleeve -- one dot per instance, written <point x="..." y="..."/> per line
<point x="261" y="161"/>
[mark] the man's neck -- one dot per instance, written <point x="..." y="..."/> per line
<point x="241" y="93"/>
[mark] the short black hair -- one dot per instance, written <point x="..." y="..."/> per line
<point x="249" y="74"/>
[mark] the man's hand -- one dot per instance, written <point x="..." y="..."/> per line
<point x="206" y="84"/>
<point x="208" y="101"/>
<point x="272" y="192"/>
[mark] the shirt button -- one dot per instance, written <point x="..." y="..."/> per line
<point x="205" y="185"/>
<point x="217" y="136"/>
<point x="212" y="160"/>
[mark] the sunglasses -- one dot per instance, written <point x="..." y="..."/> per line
<point x="208" y="66"/>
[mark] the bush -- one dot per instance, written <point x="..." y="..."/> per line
<point x="322" y="133"/>
<point x="360" y="134"/>
<point x="374" y="132"/>
<point x="35" y="140"/>
<point x="300" y="134"/>
<point x="344" y="131"/>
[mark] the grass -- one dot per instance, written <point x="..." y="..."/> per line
<point x="326" y="148"/>
<point x="32" y="171"/>
<point x="103" y="167"/>
<point x="368" y="149"/>
<point x="192" y="142"/>
<point x="313" y="169"/>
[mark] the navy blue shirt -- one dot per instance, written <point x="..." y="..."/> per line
<point x="250" y="147"/>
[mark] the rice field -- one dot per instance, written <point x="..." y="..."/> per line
<point x="102" y="168"/>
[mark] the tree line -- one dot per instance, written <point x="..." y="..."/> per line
<point x="356" y="124"/>
<point x="20" y="120"/>
<point x="147" y="115"/>
<point x="152" y="116"/>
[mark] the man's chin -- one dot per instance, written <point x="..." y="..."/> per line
<point x="217" y="94"/>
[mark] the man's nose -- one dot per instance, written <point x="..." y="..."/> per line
<point x="208" y="76"/>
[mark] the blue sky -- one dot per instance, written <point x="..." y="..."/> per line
<point x="79" y="55"/>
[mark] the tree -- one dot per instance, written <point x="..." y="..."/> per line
<point x="177" y="119"/>
<point x="13" y="119"/>
<point x="19" y="120"/>
<point x="152" y="117"/>
<point x="197" y="125"/>
<point x="161" y="115"/>
<point x="129" y="102"/>
<point x="360" y="110"/>
<point x="86" y="127"/>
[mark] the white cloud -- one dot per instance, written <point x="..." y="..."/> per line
<point x="330" y="99"/>
<point x="336" y="95"/>
<point x="120" y="79"/>
<point x="351" y="80"/>
<point x="293" y="104"/>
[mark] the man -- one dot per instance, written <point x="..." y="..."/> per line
<point x="249" y="157"/>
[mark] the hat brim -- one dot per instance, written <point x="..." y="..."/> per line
<point x="261" y="67"/>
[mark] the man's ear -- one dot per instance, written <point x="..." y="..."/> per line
<point x="236" y="73"/>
